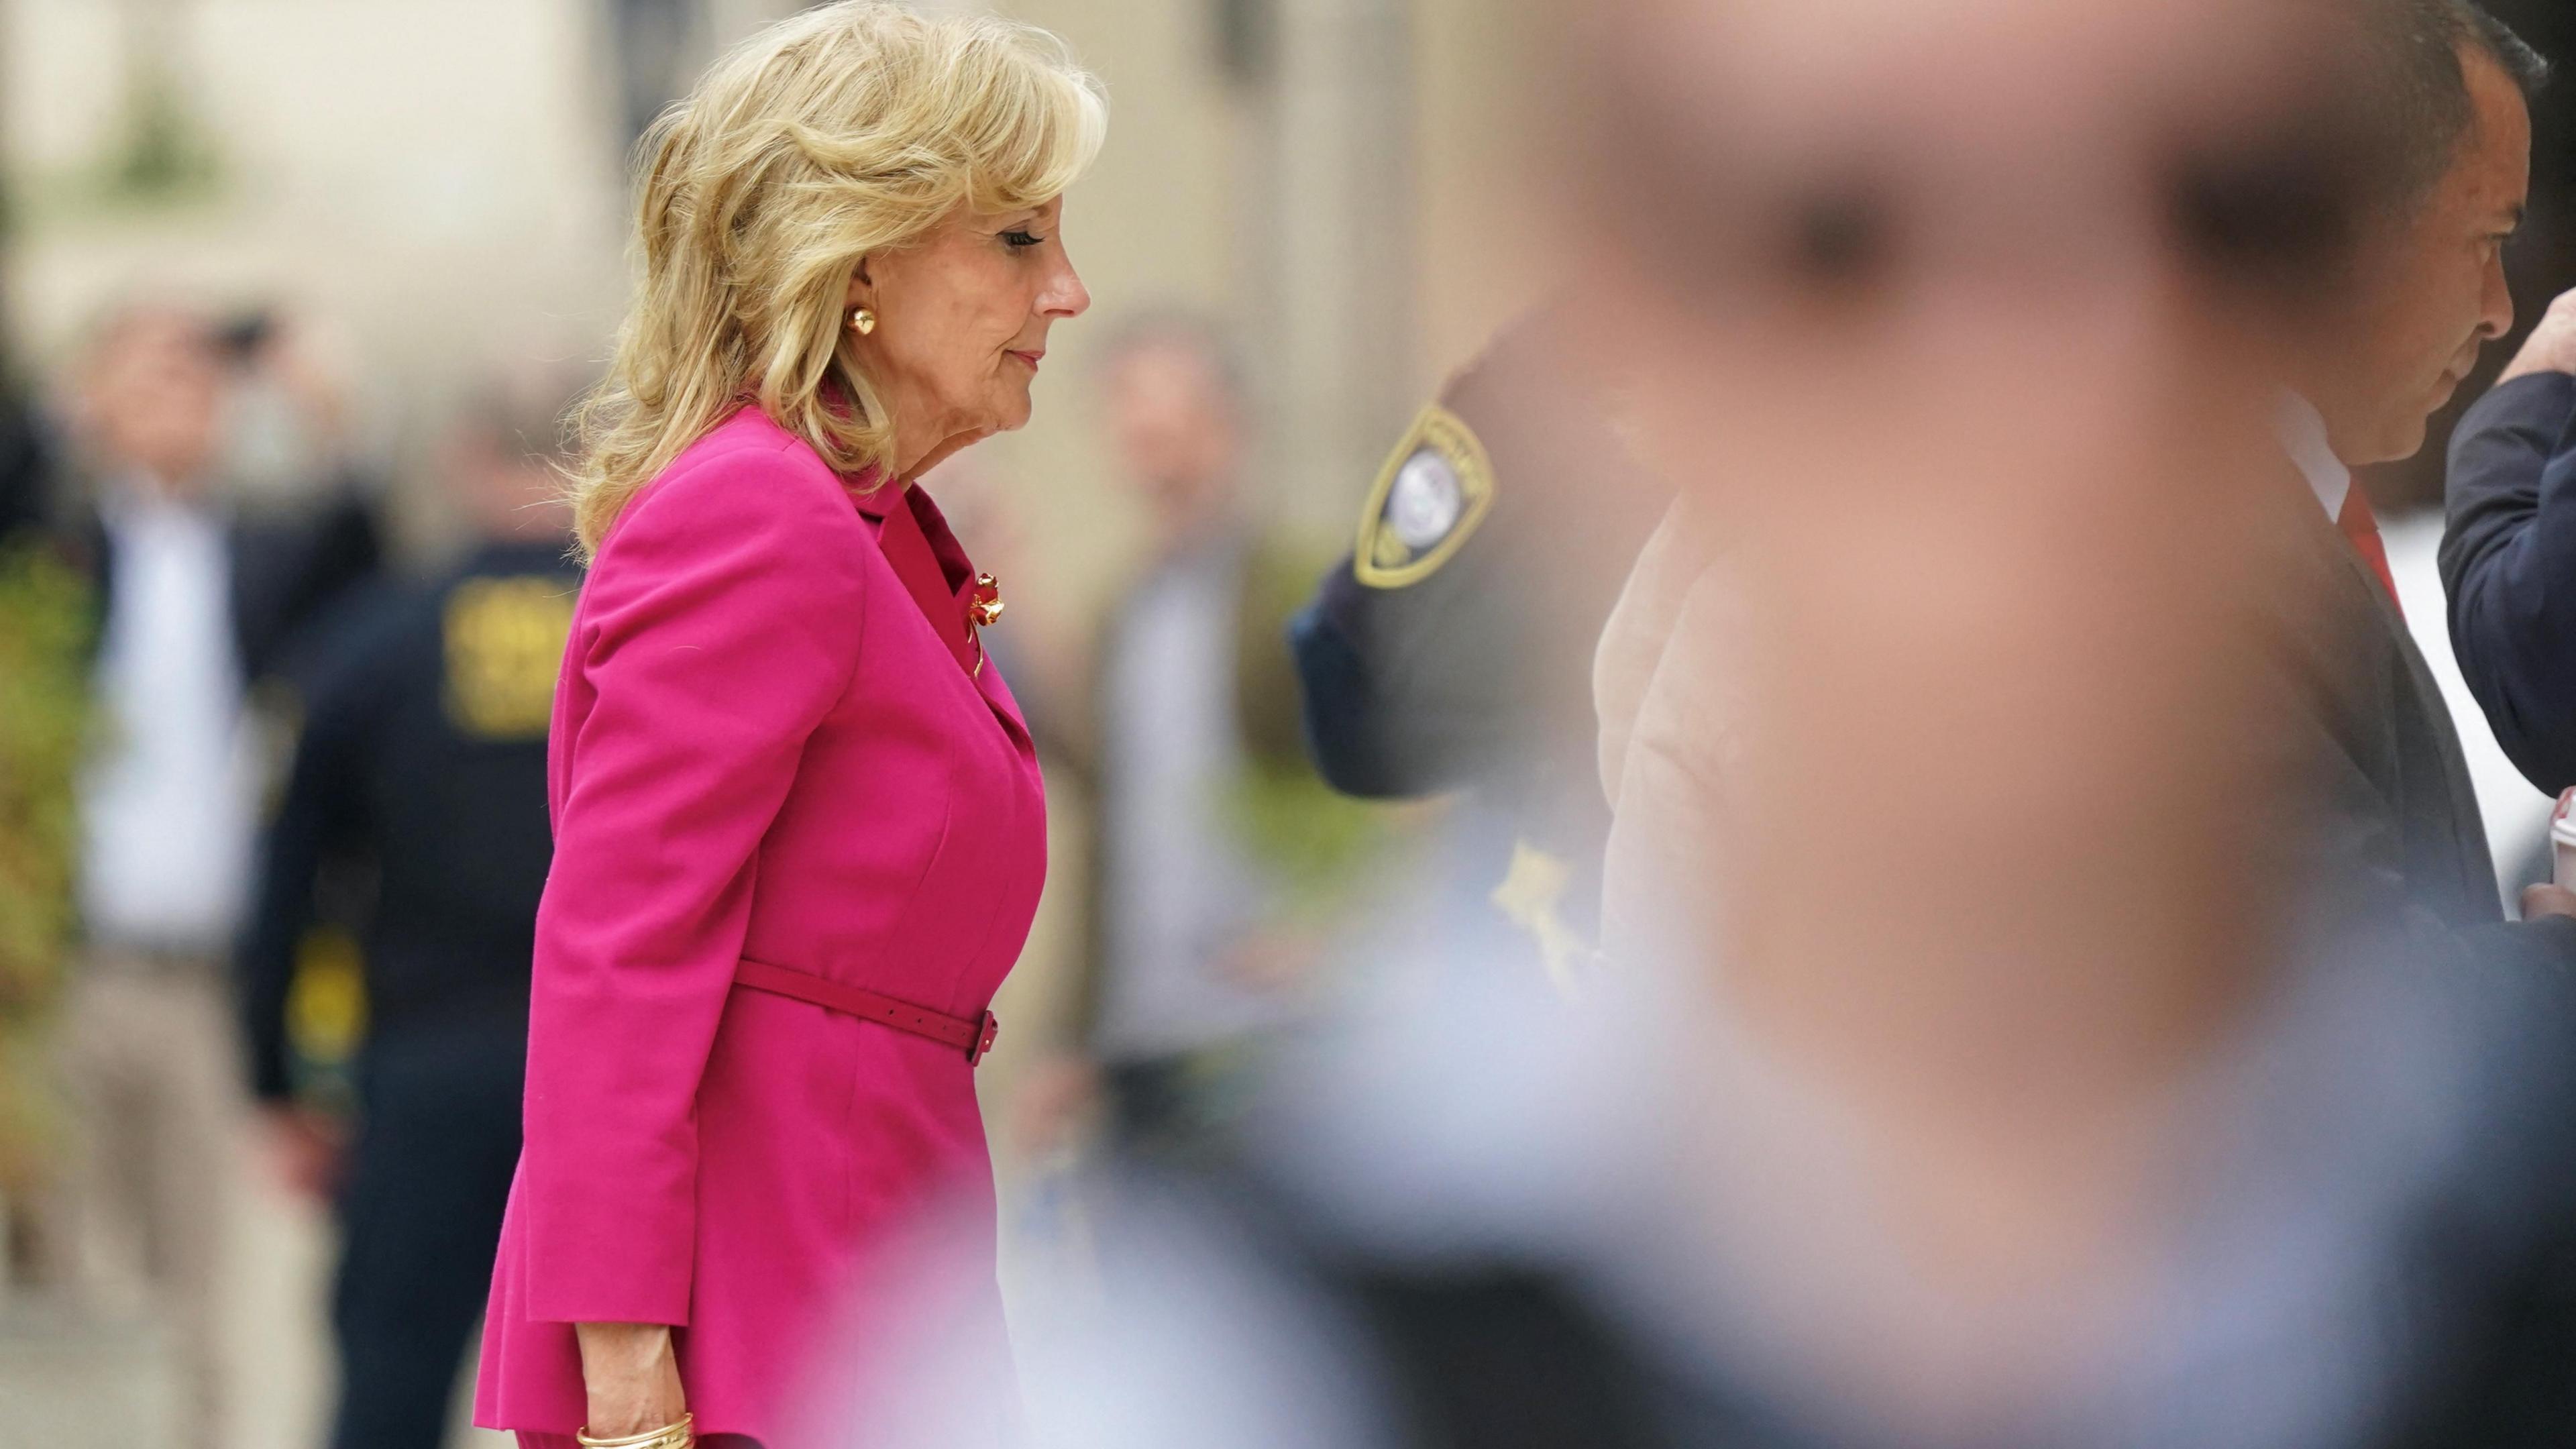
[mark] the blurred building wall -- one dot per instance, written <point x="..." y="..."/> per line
<point x="432" y="172"/>
<point x="1485" y="245"/>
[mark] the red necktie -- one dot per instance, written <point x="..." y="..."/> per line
<point x="2361" y="526"/>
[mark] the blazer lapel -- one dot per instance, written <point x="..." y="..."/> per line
<point x="935" y="571"/>
<point x="909" y="551"/>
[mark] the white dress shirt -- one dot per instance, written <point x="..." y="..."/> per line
<point x="169" y="803"/>
<point x="1183" y="890"/>
<point x="2303" y="432"/>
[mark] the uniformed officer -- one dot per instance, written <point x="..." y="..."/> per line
<point x="422" y="763"/>
<point x="1452" y="651"/>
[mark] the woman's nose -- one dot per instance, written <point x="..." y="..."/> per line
<point x="1065" y="296"/>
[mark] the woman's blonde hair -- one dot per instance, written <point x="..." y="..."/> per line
<point x="849" y="129"/>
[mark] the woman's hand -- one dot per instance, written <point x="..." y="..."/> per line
<point x="632" y="1378"/>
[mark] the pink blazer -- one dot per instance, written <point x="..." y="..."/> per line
<point x="774" y="739"/>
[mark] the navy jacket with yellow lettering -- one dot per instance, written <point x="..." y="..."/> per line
<point x="417" y="799"/>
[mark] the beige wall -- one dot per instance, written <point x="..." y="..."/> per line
<point x="1487" y="237"/>
<point x="434" y="172"/>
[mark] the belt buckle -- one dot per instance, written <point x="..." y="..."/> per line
<point x="987" y="1027"/>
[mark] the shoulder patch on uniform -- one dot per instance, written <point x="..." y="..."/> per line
<point x="1436" y="487"/>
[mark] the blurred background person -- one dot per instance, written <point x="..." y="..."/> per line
<point x="421" y="765"/>
<point x="194" y="606"/>
<point x="2509" y="550"/>
<point x="1221" y="857"/>
<point x="291" y="429"/>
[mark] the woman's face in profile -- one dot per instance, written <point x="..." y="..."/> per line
<point x="962" y="319"/>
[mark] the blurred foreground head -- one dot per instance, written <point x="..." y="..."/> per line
<point x="1962" y="327"/>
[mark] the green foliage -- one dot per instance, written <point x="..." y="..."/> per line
<point x="165" y="154"/>
<point x="44" y="706"/>
<point x="160" y="158"/>
<point x="1319" y="847"/>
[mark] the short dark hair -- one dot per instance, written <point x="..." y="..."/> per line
<point x="2413" y="52"/>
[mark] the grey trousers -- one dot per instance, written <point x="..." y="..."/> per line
<point x="150" y="1073"/>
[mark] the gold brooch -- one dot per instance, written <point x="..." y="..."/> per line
<point x="986" y="609"/>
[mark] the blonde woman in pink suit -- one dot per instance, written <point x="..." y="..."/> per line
<point x="799" y="827"/>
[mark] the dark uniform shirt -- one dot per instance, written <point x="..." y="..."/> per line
<point x="423" y="761"/>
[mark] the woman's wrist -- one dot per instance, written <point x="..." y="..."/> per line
<point x="612" y="1346"/>
<point x="631" y="1377"/>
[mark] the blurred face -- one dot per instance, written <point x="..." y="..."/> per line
<point x="1958" y="323"/>
<point x="1959" y="326"/>
<point x="1945" y="314"/>
<point x="503" y="491"/>
<point x="2434" y="292"/>
<point x="1175" y="428"/>
<point x="962" y="322"/>
<point x="152" y="400"/>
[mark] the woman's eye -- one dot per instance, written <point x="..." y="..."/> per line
<point x="1021" y="238"/>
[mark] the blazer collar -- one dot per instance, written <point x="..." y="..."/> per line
<point x="874" y="493"/>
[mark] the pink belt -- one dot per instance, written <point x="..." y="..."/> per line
<point x="971" y="1035"/>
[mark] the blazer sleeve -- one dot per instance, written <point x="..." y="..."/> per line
<point x="719" y="627"/>
<point x="2509" y="567"/>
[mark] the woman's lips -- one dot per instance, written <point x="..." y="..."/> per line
<point x="1031" y="358"/>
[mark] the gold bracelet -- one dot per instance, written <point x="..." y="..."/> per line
<point x="669" y="1436"/>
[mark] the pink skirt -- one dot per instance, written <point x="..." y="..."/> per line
<point x="566" y="1441"/>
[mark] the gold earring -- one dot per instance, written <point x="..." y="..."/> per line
<point x="864" y="320"/>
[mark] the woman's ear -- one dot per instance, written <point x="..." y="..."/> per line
<point x="863" y="287"/>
